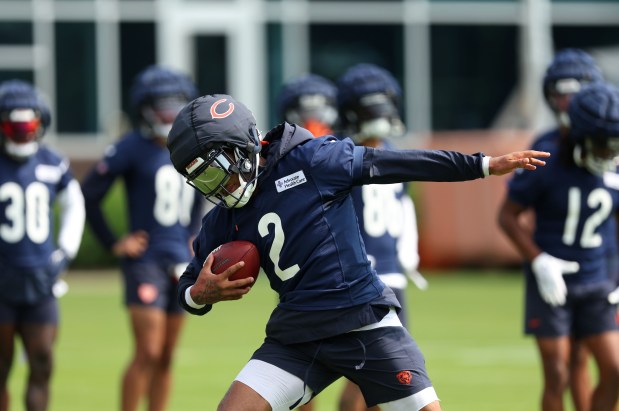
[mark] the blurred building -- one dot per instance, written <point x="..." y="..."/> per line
<point x="463" y="64"/>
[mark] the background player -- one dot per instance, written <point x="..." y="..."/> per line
<point x="163" y="217"/>
<point x="569" y="71"/>
<point x="368" y="99"/>
<point x="310" y="101"/>
<point x="335" y="317"/>
<point x="33" y="178"/>
<point x="567" y="274"/>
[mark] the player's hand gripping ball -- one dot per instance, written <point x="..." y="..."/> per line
<point x="231" y="253"/>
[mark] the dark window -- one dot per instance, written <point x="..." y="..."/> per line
<point x="15" y="33"/>
<point x="474" y="70"/>
<point x="334" y="48"/>
<point x="76" y="82"/>
<point x="137" y="51"/>
<point x="16" y="75"/>
<point x="585" y="37"/>
<point x="211" y="56"/>
<point x="275" y="69"/>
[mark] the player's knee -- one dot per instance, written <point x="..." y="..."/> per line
<point x="41" y="366"/>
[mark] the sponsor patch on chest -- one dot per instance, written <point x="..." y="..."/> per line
<point x="47" y="173"/>
<point x="291" y="180"/>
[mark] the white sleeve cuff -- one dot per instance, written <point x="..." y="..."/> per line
<point x="190" y="302"/>
<point x="485" y="165"/>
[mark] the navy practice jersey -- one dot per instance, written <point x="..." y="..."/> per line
<point x="158" y="199"/>
<point x="27" y="193"/>
<point x="302" y="219"/>
<point x="574" y="210"/>
<point x="379" y="208"/>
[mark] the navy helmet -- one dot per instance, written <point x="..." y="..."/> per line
<point x="213" y="138"/>
<point x="568" y="72"/>
<point x="310" y="101"/>
<point x="594" y="130"/>
<point x="369" y="102"/>
<point x="157" y="95"/>
<point x="24" y="118"/>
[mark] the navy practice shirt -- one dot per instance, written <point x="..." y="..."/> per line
<point x="574" y="211"/>
<point x="302" y="219"/>
<point x="27" y="194"/>
<point x="158" y="199"/>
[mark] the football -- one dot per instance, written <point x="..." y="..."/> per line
<point x="231" y="253"/>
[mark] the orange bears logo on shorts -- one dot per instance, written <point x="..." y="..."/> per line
<point x="147" y="293"/>
<point x="404" y="377"/>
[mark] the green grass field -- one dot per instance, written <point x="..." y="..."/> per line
<point x="468" y="324"/>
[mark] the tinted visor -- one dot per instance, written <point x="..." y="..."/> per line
<point x="20" y="125"/>
<point x="210" y="174"/>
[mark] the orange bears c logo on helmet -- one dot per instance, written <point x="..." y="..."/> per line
<point x="404" y="377"/>
<point x="225" y="114"/>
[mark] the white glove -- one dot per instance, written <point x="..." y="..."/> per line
<point x="549" y="272"/>
<point x="613" y="297"/>
<point x="60" y="288"/>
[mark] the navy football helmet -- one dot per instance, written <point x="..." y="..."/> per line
<point x="311" y="102"/>
<point x="24" y="118"/>
<point x="594" y="130"/>
<point x="568" y="72"/>
<point x="157" y="95"/>
<point x="368" y="101"/>
<point x="215" y="144"/>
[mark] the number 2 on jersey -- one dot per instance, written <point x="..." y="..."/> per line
<point x="277" y="245"/>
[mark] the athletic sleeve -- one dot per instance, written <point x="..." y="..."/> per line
<point x="72" y="217"/>
<point x="96" y="185"/>
<point x="384" y="166"/>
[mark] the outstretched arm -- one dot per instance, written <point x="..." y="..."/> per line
<point x="507" y="163"/>
<point x="396" y="166"/>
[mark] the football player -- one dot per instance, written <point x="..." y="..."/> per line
<point x="289" y="194"/>
<point x="575" y="199"/>
<point x="569" y="71"/>
<point x="310" y="101"/>
<point x="369" y="100"/>
<point x="33" y="179"/>
<point x="163" y="218"/>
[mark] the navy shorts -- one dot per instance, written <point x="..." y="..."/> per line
<point x="385" y="362"/>
<point x="43" y="312"/>
<point x="151" y="284"/>
<point x="586" y="312"/>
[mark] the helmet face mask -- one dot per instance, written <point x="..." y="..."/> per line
<point x="369" y="103"/>
<point x="24" y="119"/>
<point x="597" y="155"/>
<point x="224" y="175"/>
<point x="312" y="108"/>
<point x="158" y="116"/>
<point x="375" y="115"/>
<point x="21" y="129"/>
<point x="309" y="101"/>
<point x="157" y="95"/>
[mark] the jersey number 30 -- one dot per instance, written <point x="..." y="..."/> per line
<point x="27" y="212"/>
